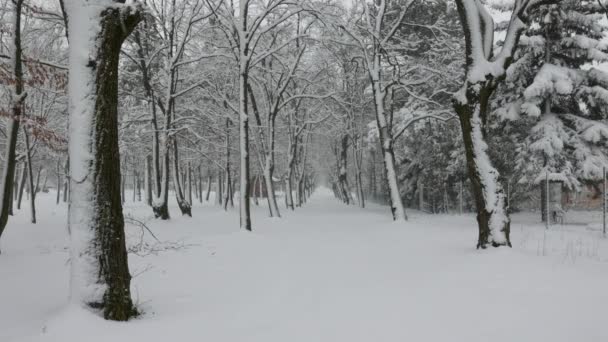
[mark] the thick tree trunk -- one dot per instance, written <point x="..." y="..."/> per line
<point x="492" y="216"/>
<point x="100" y="272"/>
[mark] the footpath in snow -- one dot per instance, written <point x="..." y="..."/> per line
<point x="324" y="273"/>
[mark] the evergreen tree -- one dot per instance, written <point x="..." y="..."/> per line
<point x="557" y="97"/>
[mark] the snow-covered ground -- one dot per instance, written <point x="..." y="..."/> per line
<point x="326" y="272"/>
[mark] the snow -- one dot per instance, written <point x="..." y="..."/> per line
<point x="493" y="193"/>
<point x="327" y="272"/>
<point x="83" y="30"/>
<point x="552" y="79"/>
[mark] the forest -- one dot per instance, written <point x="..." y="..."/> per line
<point x="346" y="163"/>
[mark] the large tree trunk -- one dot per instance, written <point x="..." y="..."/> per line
<point x="12" y="126"/>
<point x="100" y="272"/>
<point x="492" y="217"/>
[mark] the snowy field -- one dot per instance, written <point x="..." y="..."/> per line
<point x="326" y="272"/>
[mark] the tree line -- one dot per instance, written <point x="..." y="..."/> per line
<point x="258" y="98"/>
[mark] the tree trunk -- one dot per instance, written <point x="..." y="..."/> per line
<point x="12" y="126"/>
<point x="218" y="188"/>
<point x="342" y="170"/>
<point x="209" y="179"/>
<point x="183" y="205"/>
<point x="30" y="176"/>
<point x="270" y="192"/>
<point x="244" y="194"/>
<point x="256" y="180"/>
<point x="200" y="185"/>
<point x="386" y="143"/>
<point x="58" y="182"/>
<point x="134" y="178"/>
<point x="158" y="179"/>
<point x="148" y="179"/>
<point x="22" y="179"/>
<point x="189" y="180"/>
<point x="66" y="180"/>
<point x="100" y="272"/>
<point x="492" y="218"/>
<point x="358" y="158"/>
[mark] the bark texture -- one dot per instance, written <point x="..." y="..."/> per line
<point x="105" y="254"/>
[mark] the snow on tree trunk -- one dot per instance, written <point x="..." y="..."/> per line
<point x="100" y="276"/>
<point x="386" y="143"/>
<point x="492" y="218"/>
<point x="484" y="72"/>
